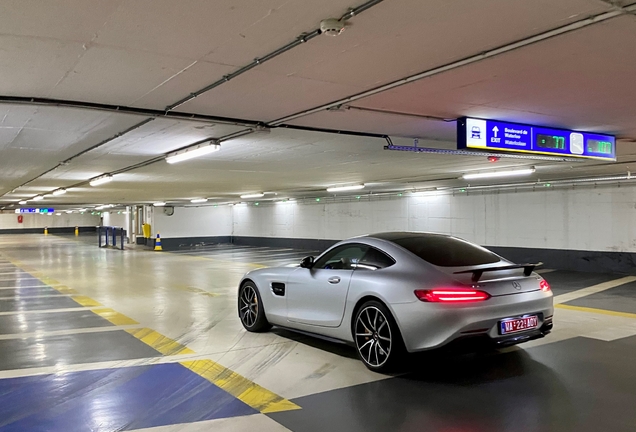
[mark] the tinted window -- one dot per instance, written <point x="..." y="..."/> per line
<point x="343" y="257"/>
<point x="374" y="260"/>
<point x="446" y="251"/>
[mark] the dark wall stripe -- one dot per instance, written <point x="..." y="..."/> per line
<point x="52" y="230"/>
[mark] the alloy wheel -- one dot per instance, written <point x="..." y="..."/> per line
<point x="249" y="306"/>
<point x="373" y="336"/>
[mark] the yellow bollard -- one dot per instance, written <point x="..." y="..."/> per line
<point x="158" y="243"/>
<point x="46" y="231"/>
<point x="76" y="231"/>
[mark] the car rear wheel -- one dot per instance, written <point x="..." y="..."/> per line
<point x="250" y="308"/>
<point x="377" y="337"/>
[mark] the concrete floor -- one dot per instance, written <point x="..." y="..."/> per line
<point x="105" y="340"/>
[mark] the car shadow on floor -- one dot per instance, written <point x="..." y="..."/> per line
<point x="469" y="359"/>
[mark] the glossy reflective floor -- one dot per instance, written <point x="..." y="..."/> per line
<point x="105" y="340"/>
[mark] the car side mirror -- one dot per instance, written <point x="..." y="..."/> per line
<point x="307" y="262"/>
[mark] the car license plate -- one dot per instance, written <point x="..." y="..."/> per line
<point x="514" y="325"/>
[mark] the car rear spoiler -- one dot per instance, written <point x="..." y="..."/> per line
<point x="527" y="270"/>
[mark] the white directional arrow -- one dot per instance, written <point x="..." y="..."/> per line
<point x="495" y="130"/>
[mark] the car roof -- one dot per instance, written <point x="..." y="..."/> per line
<point x="400" y="235"/>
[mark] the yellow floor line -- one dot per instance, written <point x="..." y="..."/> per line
<point x="86" y="301"/>
<point x="597" y="311"/>
<point x="114" y="317"/>
<point x="64" y="289"/>
<point x="240" y="387"/>
<point x="161" y="343"/>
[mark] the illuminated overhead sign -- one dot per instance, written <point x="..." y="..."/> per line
<point x="507" y="137"/>
<point x="35" y="210"/>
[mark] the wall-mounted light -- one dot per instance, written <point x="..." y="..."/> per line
<point x="199" y="200"/>
<point x="60" y="191"/>
<point x="345" y="188"/>
<point x="101" y="180"/>
<point x="497" y="174"/>
<point x="254" y="195"/>
<point x="193" y="151"/>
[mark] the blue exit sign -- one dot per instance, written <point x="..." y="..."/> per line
<point x="35" y="210"/>
<point x="473" y="133"/>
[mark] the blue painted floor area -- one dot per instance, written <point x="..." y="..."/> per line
<point x="113" y="399"/>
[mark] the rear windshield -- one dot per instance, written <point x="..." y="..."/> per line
<point x="447" y="251"/>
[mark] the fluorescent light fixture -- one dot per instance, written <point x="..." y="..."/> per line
<point x="104" y="206"/>
<point x="193" y="152"/>
<point x="60" y="191"/>
<point x="38" y="198"/>
<point x="255" y="195"/>
<point x="345" y="188"/>
<point x="22" y="202"/>
<point x="497" y="174"/>
<point x="199" y="200"/>
<point x="424" y="192"/>
<point x="159" y="204"/>
<point x="69" y="211"/>
<point x="101" y="180"/>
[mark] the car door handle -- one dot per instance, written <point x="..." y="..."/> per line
<point x="333" y="280"/>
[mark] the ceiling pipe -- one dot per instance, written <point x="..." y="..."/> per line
<point x="121" y="109"/>
<point x="466" y="61"/>
<point x="300" y="39"/>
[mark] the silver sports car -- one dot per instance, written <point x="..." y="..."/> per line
<point x="399" y="292"/>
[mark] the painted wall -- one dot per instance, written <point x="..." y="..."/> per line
<point x="115" y="219"/>
<point x="602" y="219"/>
<point x="193" y="222"/>
<point x="10" y="220"/>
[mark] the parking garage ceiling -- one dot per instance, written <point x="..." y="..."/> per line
<point x="102" y="86"/>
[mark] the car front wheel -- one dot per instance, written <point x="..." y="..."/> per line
<point x="250" y="308"/>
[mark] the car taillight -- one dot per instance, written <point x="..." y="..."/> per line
<point x="545" y="286"/>
<point x="451" y="295"/>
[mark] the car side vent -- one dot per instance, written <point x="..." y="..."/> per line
<point x="278" y="288"/>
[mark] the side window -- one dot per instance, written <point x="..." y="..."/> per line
<point x="344" y="257"/>
<point x="375" y="259"/>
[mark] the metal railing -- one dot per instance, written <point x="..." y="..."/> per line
<point x="109" y="234"/>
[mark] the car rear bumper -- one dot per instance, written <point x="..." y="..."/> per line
<point x="426" y="326"/>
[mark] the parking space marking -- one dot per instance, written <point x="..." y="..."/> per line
<point x="240" y="387"/>
<point x="567" y="297"/>
<point x="72" y="309"/>
<point x="159" y="342"/>
<point x="594" y="310"/>
<point x="114" y="317"/>
<point x="40" y="334"/>
<point x="86" y="301"/>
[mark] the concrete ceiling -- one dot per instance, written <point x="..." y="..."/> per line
<point x="148" y="54"/>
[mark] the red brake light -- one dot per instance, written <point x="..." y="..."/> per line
<point x="451" y="295"/>
<point x="545" y="286"/>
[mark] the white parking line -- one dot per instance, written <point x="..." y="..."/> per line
<point x="41" y="334"/>
<point x="32" y="311"/>
<point x="564" y="298"/>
